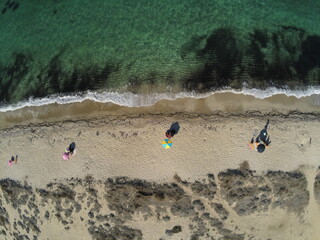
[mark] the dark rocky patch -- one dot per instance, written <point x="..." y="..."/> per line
<point x="4" y="217"/>
<point x="91" y="214"/>
<point x="92" y="196"/>
<point x="77" y="207"/>
<point x="21" y="225"/>
<point x="252" y="193"/>
<point x="15" y="193"/>
<point x="47" y="215"/>
<point x="63" y="197"/>
<point x="68" y="211"/>
<point x="309" y="57"/>
<point x="198" y="205"/>
<point x="126" y="196"/>
<point x="175" y="229"/>
<point x="198" y="228"/>
<point x="4" y="10"/>
<point x="317" y="187"/>
<point x="248" y="198"/>
<point x="220" y="57"/>
<point x="50" y="79"/>
<point x="114" y="233"/>
<point x="205" y="189"/>
<point x="183" y="207"/>
<point x="243" y="189"/>
<point x="15" y="6"/>
<point x="61" y="192"/>
<point x="31" y="222"/>
<point x="10" y="76"/>
<point x="228" y="235"/>
<point x="222" y="212"/>
<point x="10" y="6"/>
<point x="18" y="236"/>
<point x="166" y="218"/>
<point x="214" y="222"/>
<point x="244" y="166"/>
<point x="289" y="190"/>
<point x="287" y="56"/>
<point x="192" y="46"/>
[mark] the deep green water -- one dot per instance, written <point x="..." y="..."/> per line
<point x="64" y="46"/>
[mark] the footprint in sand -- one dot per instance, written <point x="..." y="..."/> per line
<point x="304" y="141"/>
<point x="87" y="166"/>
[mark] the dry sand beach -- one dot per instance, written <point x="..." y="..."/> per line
<point x="122" y="184"/>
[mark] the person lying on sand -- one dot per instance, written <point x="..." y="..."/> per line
<point x="173" y="130"/>
<point x="262" y="141"/>
<point x="70" y="151"/>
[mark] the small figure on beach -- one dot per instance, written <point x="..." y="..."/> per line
<point x="262" y="141"/>
<point x="173" y="130"/>
<point x="70" y="151"/>
<point x="13" y="160"/>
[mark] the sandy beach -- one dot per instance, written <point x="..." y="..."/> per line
<point x="112" y="76"/>
<point x="122" y="184"/>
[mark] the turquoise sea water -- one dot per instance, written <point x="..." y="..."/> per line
<point x="65" y="47"/>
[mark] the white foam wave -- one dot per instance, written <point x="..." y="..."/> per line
<point x="137" y="100"/>
<point x="269" y="92"/>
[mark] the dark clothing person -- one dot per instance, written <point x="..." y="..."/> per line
<point x="173" y="130"/>
<point x="262" y="141"/>
<point x="72" y="147"/>
<point x="263" y="136"/>
<point x="70" y="151"/>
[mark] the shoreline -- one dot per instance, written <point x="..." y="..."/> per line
<point x="152" y="94"/>
<point x="219" y="103"/>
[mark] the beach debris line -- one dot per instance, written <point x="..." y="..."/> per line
<point x="262" y="141"/>
<point x="70" y="151"/>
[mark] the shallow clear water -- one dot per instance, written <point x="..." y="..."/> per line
<point x="65" y="48"/>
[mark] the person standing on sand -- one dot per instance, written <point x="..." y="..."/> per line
<point x="174" y="129"/>
<point x="262" y="141"/>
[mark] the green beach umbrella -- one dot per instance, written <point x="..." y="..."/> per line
<point x="166" y="143"/>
